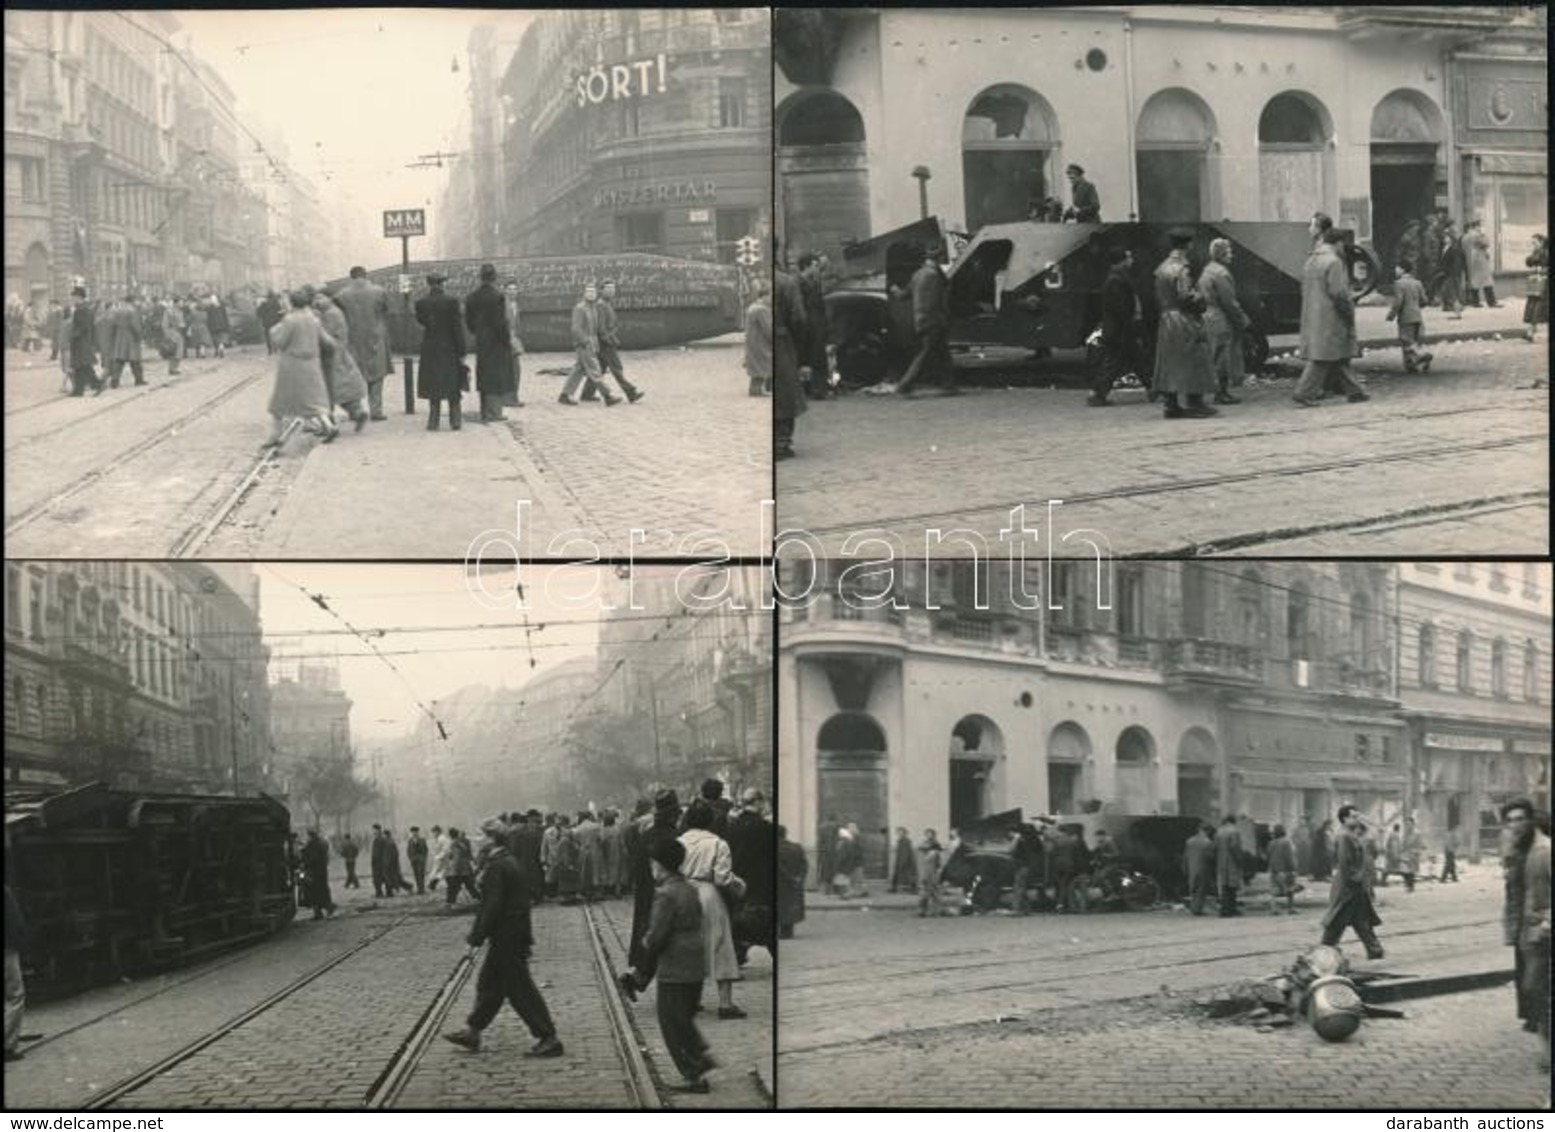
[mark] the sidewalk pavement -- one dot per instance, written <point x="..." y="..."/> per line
<point x="1374" y="330"/>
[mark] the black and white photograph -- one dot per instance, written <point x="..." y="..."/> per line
<point x="376" y="283"/>
<point x="1267" y="280"/>
<point x="375" y="837"/>
<point x="1022" y="805"/>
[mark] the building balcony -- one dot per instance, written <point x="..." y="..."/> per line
<point x="96" y="664"/>
<point x="1328" y="676"/>
<point x="1197" y="660"/>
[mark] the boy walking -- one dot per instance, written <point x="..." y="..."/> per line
<point x="1408" y="302"/>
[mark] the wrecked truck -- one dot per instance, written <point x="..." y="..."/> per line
<point x="1037" y="286"/>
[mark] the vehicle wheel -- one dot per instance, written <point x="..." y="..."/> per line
<point x="1141" y="894"/>
<point x="985" y="896"/>
<point x="1365" y="271"/>
<point x="1255" y="351"/>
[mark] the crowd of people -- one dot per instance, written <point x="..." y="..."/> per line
<point x="702" y="877"/>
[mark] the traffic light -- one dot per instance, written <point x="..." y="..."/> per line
<point x="749" y="251"/>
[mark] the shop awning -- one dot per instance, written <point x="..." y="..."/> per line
<point x="1520" y="164"/>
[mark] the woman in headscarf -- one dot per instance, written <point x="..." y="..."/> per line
<point x="344" y="381"/>
<point x="299" y="374"/>
<point x="709" y="867"/>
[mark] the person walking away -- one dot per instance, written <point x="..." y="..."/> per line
<point x="1536" y="306"/>
<point x="503" y="924"/>
<point x="1225" y="322"/>
<point x="585" y="345"/>
<point x="199" y="328"/>
<point x="589" y="854"/>
<point x="568" y="861"/>
<point x="343" y="380"/>
<point x="1526" y="916"/>
<point x="1282" y="873"/>
<point x="660" y="824"/>
<point x="1199" y="865"/>
<point x="1390" y="854"/>
<point x="442" y="353"/>
<point x="460" y="870"/>
<point x="83" y="347"/>
<point x="416" y="850"/>
<point x="931" y="861"/>
<point x="610" y="342"/>
<point x="758" y="341"/>
<point x="1183" y="369"/>
<point x="1410" y="848"/>
<point x="1084" y="200"/>
<point x="1454" y="266"/>
<point x="366" y="307"/>
<point x="124" y="343"/>
<point x="709" y="867"/>
<point x="788" y="336"/>
<point x="1477" y="265"/>
<point x="379" y="863"/>
<point x="173" y="335"/>
<point x="1327" y="324"/>
<point x="349" y="851"/>
<point x="793" y="873"/>
<point x="16" y="940"/>
<point x="394" y="873"/>
<point x="486" y="318"/>
<point x="814" y="366"/>
<point x="1430" y="261"/>
<point x="904" y="865"/>
<point x="1228" y="865"/>
<point x="1407" y="309"/>
<point x="1119" y="354"/>
<point x="672" y="952"/>
<point x="1349" y="899"/>
<point x="269" y="312"/>
<point x="299" y="374"/>
<point x="752" y="855"/>
<point x="220" y="324"/>
<point x="315" y="875"/>
<point x="931" y="322"/>
<point x="825" y="850"/>
<point x="1449" y="856"/>
<point x="515" y="343"/>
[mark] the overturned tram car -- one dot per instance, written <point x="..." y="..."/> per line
<point x="660" y="300"/>
<point x="116" y="882"/>
<point x="1037" y="286"/>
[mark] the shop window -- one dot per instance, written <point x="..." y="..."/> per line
<point x="640" y="232"/>
<point x="731" y="103"/>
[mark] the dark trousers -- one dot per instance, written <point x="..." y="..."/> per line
<point x="419" y="868"/>
<point x="1409" y="881"/>
<point x="932" y="361"/>
<point x="83" y="376"/>
<point x="434" y="414"/>
<point x="1113" y="361"/>
<point x="1449" y="865"/>
<point x="610" y="359"/>
<point x="351" y="881"/>
<point x="1228" y="900"/>
<point x="380" y="886"/>
<point x="137" y="367"/>
<point x="677" y="1004"/>
<point x="783" y="432"/>
<point x="505" y="977"/>
<point x="455" y="883"/>
<point x="1198" y="894"/>
<point x="1366" y="933"/>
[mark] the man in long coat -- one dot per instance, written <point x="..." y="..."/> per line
<point x="1476" y="264"/>
<point x="1225" y="322"/>
<point x="124" y="343"/>
<point x="1228" y="865"/>
<point x="442" y="352"/>
<point x="812" y="356"/>
<point x="662" y="825"/>
<point x="788" y="335"/>
<point x="83" y="346"/>
<point x="1327" y="324"/>
<point x="486" y="317"/>
<point x="1199" y="863"/>
<point x="1119" y="335"/>
<point x="378" y="858"/>
<point x="315" y="875"/>
<point x="1526" y="914"/>
<point x="793" y="869"/>
<point x="931" y="322"/>
<point x="366" y="307"/>
<point x="1182" y="359"/>
<point x="1349" y="896"/>
<point x="610" y="343"/>
<point x="752" y="849"/>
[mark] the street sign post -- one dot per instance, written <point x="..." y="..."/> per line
<point x="405" y="223"/>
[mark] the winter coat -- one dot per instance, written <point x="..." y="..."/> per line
<point x="366" y="307"/>
<point x="505" y="901"/>
<point x="442" y="347"/>
<point x="788" y="333"/>
<point x="416" y="849"/>
<point x="299" y="373"/>
<point x="1476" y="256"/>
<point x="813" y="351"/>
<point x="1182" y="358"/>
<point x="1408" y="302"/>
<point x="672" y="945"/>
<point x="753" y="846"/>
<point x="650" y="832"/>
<point x="1228" y="857"/>
<point x="486" y="317"/>
<point x="1199" y="859"/>
<point x="1349" y="896"/>
<point x="1224" y="320"/>
<point x="199" y="327"/>
<point x="609" y="324"/>
<point x="1327" y="311"/>
<point x="709" y="867"/>
<point x="124" y="334"/>
<point x="216" y="315"/>
<point x="83" y="335"/>
<point x="1117" y="308"/>
<point x="585" y="327"/>
<point x="1084" y="203"/>
<point x="793" y="871"/>
<point x="758" y="340"/>
<point x="930" y="299"/>
<point x="1527" y="911"/>
<point x="1409" y="851"/>
<point x="346" y="382"/>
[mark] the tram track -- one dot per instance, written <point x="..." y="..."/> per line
<point x="629" y="1044"/>
<point x="194" y="537"/>
<point x="121" y="398"/>
<point x="115" y="464"/>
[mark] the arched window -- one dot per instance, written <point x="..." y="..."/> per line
<point x="1465" y="661"/>
<point x="1176" y="132"/>
<point x="1428" y="656"/>
<point x="1498" y="668"/>
<point x="1293" y="156"/>
<point x="1008" y="140"/>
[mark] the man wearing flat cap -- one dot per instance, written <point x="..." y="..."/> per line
<point x="753" y="847"/>
<point x="442" y="352"/>
<point x="503" y="923"/>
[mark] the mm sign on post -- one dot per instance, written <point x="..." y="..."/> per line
<point x="405" y="222"/>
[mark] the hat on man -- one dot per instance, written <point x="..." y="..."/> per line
<point x="436" y="277"/>
<point x="1181" y="237"/>
<point x="666" y="801"/>
<point x="494" y="828"/>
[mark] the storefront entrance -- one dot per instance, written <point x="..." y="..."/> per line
<point x="852" y="781"/>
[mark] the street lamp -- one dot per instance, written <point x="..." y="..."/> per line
<point x="921" y="172"/>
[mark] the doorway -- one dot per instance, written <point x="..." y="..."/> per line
<point x="968" y="790"/>
<point x="852" y="782"/>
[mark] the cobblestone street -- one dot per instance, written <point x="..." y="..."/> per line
<point x="1096" y="1011"/>
<point x="692" y="460"/>
<point x="1453" y="462"/>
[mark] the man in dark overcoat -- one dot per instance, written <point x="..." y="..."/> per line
<point x="793" y="870"/>
<point x="416" y="849"/>
<point x="663" y="824"/>
<point x="315" y="875"/>
<point x="366" y="307"/>
<point x="788" y="336"/>
<point x="348" y="853"/>
<point x="503" y="923"/>
<point x="931" y="322"/>
<point x="442" y="352"/>
<point x="1349" y="896"/>
<point x="379" y="857"/>
<point x="1199" y="864"/>
<point x="752" y="849"/>
<point x="124" y="343"/>
<point x="486" y="316"/>
<point x="812" y="356"/>
<point x="1119" y="336"/>
<point x="83" y="346"/>
<point x="269" y="313"/>
<point x="1228" y="865"/>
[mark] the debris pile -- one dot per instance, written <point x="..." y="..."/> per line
<point x="1316" y="986"/>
